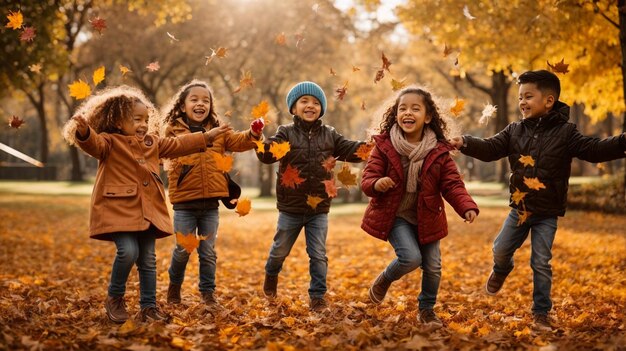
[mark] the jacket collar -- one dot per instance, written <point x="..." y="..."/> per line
<point x="383" y="141"/>
<point x="307" y="126"/>
<point x="558" y="114"/>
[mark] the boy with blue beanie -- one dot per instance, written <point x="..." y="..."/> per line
<point x="312" y="143"/>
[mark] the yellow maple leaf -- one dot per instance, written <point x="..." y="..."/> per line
<point x="279" y="150"/>
<point x="345" y="176"/>
<point x="457" y="108"/>
<point x="79" y="89"/>
<point x="527" y="161"/>
<point x="124" y="70"/>
<point x="260" y="146"/>
<point x="534" y="183"/>
<point x="398" y="84"/>
<point x="261" y="109"/>
<point x="313" y="201"/>
<point x="244" y="205"/>
<point x="16" y="19"/>
<point x="224" y="163"/>
<point x="98" y="75"/>
<point x="190" y="241"/>
<point x="518" y="196"/>
<point x="522" y="216"/>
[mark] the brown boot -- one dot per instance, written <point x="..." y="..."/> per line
<point x="270" y="285"/>
<point x="379" y="289"/>
<point x="318" y="304"/>
<point x="209" y="299"/>
<point x="494" y="283"/>
<point x="153" y="314"/>
<point x="116" y="309"/>
<point x="429" y="318"/>
<point x="173" y="293"/>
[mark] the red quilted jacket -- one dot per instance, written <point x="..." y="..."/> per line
<point x="439" y="177"/>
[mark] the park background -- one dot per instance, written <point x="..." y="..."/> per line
<point x="467" y="53"/>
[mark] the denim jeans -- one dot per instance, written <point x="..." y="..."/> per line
<point x="135" y="248"/>
<point x="410" y="255"/>
<point x="315" y="231"/>
<point x="511" y="237"/>
<point x="206" y="223"/>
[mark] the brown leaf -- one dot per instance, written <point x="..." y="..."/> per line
<point x="340" y="92"/>
<point x="386" y="62"/>
<point x="345" y="176"/>
<point x="559" y="67"/>
<point x="15" y="122"/>
<point x="28" y="34"/>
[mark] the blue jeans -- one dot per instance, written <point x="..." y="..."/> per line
<point x="410" y="255"/>
<point x="135" y="248"/>
<point x="511" y="237"/>
<point x="206" y="223"/>
<point x="315" y="230"/>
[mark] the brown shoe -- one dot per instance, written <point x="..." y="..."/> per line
<point x="541" y="323"/>
<point x="494" y="283"/>
<point x="270" y="285"/>
<point x="429" y="318"/>
<point x="116" y="309"/>
<point x="173" y="293"/>
<point x="153" y="314"/>
<point x="379" y="289"/>
<point x="318" y="304"/>
<point x="209" y="299"/>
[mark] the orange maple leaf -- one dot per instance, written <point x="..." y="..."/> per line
<point x="79" y="89"/>
<point x="364" y="151"/>
<point x="523" y="216"/>
<point x="244" y="205"/>
<point x="219" y="53"/>
<point x="15" y="122"/>
<point x="518" y="196"/>
<point x="534" y="183"/>
<point x="261" y="109"/>
<point x="16" y="19"/>
<point x="313" y="201"/>
<point x="281" y="39"/>
<point x="340" y="92"/>
<point x="190" y="241"/>
<point x="355" y="68"/>
<point x="279" y="150"/>
<point x="527" y="161"/>
<point x="245" y="81"/>
<point x="386" y="62"/>
<point x="124" y="70"/>
<point x="457" y="108"/>
<point x="228" y="113"/>
<point x="35" y="68"/>
<point x="331" y="187"/>
<point x="290" y="178"/>
<point x="329" y="163"/>
<point x="260" y="146"/>
<point x="559" y="67"/>
<point x="345" y="176"/>
<point x="224" y="163"/>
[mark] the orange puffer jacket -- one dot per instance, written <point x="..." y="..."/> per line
<point x="196" y="176"/>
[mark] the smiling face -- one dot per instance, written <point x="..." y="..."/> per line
<point x="533" y="103"/>
<point x="137" y="124"/>
<point x="307" y="107"/>
<point x="197" y="105"/>
<point x="411" y="116"/>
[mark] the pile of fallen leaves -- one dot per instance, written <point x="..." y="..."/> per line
<point x="53" y="284"/>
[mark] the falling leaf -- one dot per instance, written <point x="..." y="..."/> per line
<point x="340" y="92"/>
<point x="487" y="113"/>
<point x="355" y="69"/>
<point x="228" y="113"/>
<point x="15" y="122"/>
<point x="290" y="177"/>
<point x="223" y="163"/>
<point x="332" y="72"/>
<point x="279" y="150"/>
<point x="527" y="161"/>
<point x="386" y="62"/>
<point x="364" y="150"/>
<point x="35" y="68"/>
<point x="329" y="163"/>
<point x="397" y="85"/>
<point x="313" y="201"/>
<point x="260" y="146"/>
<point x="127" y="327"/>
<point x="315" y="7"/>
<point x="467" y="14"/>
<point x="363" y="105"/>
<point x="331" y="187"/>
<point x="380" y="74"/>
<point x="245" y="81"/>
<point x="153" y="66"/>
<point x="15" y="20"/>
<point x="219" y="53"/>
<point x="281" y="39"/>
<point x="559" y="67"/>
<point x="28" y="34"/>
<point x="261" y="109"/>
<point x="345" y="176"/>
<point x="124" y="70"/>
<point x="98" y="24"/>
<point x="98" y="75"/>
<point x="299" y="40"/>
<point x="518" y="196"/>
<point x="446" y="50"/>
<point x="244" y="205"/>
<point x="79" y="89"/>
<point x="190" y="241"/>
<point x="534" y="183"/>
<point x="457" y="108"/>
<point x="171" y="36"/>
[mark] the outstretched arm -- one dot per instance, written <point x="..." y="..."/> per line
<point x="490" y="149"/>
<point x="595" y="149"/>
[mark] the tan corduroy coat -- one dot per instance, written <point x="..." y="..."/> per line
<point x="128" y="194"/>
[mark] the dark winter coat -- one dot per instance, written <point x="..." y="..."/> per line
<point x="552" y="142"/>
<point x="439" y="177"/>
<point x="311" y="144"/>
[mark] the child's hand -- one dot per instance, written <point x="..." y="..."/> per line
<point x="257" y="126"/>
<point x="214" y="132"/>
<point x="470" y="216"/>
<point x="384" y="184"/>
<point x="81" y="125"/>
<point x="457" y="142"/>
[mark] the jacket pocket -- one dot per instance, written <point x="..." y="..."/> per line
<point x="120" y="190"/>
<point x="183" y="173"/>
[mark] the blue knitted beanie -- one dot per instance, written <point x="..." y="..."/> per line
<point x="306" y="88"/>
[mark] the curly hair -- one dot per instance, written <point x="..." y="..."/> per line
<point x="437" y="122"/>
<point x="173" y="109"/>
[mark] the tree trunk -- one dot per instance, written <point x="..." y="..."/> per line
<point x="621" y="9"/>
<point x="499" y="95"/>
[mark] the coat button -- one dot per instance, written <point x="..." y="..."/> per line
<point x="141" y="161"/>
<point x="145" y="183"/>
<point x="129" y="191"/>
<point x="148" y="142"/>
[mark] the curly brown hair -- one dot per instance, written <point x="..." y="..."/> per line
<point x="437" y="123"/>
<point x="173" y="109"/>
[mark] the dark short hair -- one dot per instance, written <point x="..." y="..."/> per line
<point x="546" y="81"/>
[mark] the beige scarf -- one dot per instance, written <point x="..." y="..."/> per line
<point x="414" y="152"/>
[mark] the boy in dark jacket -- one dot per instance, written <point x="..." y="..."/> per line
<point x="301" y="179"/>
<point x="540" y="148"/>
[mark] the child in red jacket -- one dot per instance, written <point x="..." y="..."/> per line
<point x="406" y="175"/>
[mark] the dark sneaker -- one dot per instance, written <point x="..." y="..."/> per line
<point x="209" y="299"/>
<point x="116" y="309"/>
<point x="379" y="289"/>
<point x="429" y="318"/>
<point x="153" y="314"/>
<point x="494" y="283"/>
<point x="270" y="285"/>
<point x="541" y="322"/>
<point x="173" y="293"/>
<point x="318" y="304"/>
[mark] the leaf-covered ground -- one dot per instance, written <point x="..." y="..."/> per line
<point x="53" y="283"/>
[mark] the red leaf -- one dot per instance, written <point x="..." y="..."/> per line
<point x="291" y="177"/>
<point x="15" y="122"/>
<point x="331" y="187"/>
<point x="98" y="24"/>
<point x="28" y="34"/>
<point x="329" y="163"/>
